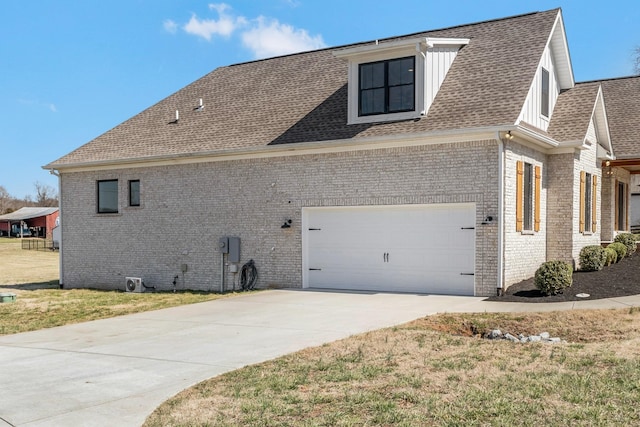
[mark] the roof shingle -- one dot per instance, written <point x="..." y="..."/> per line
<point x="622" y="101"/>
<point x="303" y="98"/>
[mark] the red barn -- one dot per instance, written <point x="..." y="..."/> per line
<point x="39" y="221"/>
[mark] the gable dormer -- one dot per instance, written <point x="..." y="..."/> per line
<point x="554" y="74"/>
<point x="397" y="80"/>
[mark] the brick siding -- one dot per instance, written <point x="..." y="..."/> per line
<point x="186" y="208"/>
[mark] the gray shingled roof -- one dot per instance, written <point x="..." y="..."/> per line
<point x="27" y="213"/>
<point x="303" y="98"/>
<point x="572" y="112"/>
<point x="622" y="101"/>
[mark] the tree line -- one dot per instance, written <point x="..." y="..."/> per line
<point x="46" y="196"/>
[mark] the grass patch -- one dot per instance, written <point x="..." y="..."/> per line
<point x="435" y="371"/>
<point x="46" y="308"/>
<point x="19" y="266"/>
<point x="33" y="277"/>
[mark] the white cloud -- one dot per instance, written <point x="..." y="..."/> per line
<point x="39" y="104"/>
<point x="170" y="26"/>
<point x="264" y="37"/>
<point x="219" y="7"/>
<point x="224" y="26"/>
<point x="271" y="38"/>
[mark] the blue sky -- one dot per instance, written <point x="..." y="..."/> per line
<point x="71" y="70"/>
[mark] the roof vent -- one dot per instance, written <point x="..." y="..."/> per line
<point x="173" y="122"/>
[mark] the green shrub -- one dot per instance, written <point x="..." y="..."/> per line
<point x="620" y="249"/>
<point x="612" y="255"/>
<point x="552" y="277"/>
<point x="637" y="237"/>
<point x="628" y="240"/>
<point x="592" y="258"/>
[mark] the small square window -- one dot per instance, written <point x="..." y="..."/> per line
<point x="134" y="192"/>
<point x="108" y="196"/>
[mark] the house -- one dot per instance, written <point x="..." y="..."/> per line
<point x="40" y="221"/>
<point x="452" y="161"/>
<point x="622" y="97"/>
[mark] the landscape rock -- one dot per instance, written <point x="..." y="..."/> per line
<point x="496" y="334"/>
<point x="511" y="338"/>
<point x="543" y="337"/>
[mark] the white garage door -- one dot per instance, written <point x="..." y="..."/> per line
<point x="409" y="248"/>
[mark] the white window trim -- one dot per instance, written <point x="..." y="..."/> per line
<point x="419" y="95"/>
<point x="385" y="51"/>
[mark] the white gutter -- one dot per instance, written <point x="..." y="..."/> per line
<point x="500" y="284"/>
<point x="292" y="149"/>
<point x="61" y="252"/>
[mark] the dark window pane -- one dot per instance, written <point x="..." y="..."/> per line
<point x="587" y="202"/>
<point x="387" y="86"/>
<point x="108" y="196"/>
<point x="400" y="98"/>
<point x="544" y="98"/>
<point x="372" y="75"/>
<point x="528" y="196"/>
<point x="401" y="72"/>
<point x="372" y="101"/>
<point x="134" y="193"/>
<point x="622" y="210"/>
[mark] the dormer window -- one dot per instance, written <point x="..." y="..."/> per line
<point x="387" y="86"/>
<point x="388" y="81"/>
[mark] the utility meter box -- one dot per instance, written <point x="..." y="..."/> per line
<point x="234" y="249"/>
<point x="223" y="244"/>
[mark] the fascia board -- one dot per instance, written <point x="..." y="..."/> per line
<point x="285" y="150"/>
<point x="429" y="42"/>
<point x="378" y="47"/>
<point x="559" y="46"/>
<point x="599" y="114"/>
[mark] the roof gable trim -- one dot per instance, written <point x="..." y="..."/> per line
<point x="560" y="51"/>
<point x="419" y="42"/>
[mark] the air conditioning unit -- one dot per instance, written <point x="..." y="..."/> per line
<point x="134" y="284"/>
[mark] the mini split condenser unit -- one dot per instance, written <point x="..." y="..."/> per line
<point x="134" y="284"/>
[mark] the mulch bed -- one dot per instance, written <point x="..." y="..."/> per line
<point x="617" y="280"/>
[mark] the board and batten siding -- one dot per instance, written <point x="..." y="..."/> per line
<point x="531" y="111"/>
<point x="438" y="60"/>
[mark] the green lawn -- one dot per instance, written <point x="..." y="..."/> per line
<point x="432" y="372"/>
<point x="33" y="277"/>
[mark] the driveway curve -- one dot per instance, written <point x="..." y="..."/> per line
<point x="117" y="371"/>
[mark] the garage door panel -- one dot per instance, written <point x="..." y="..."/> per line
<point x="417" y="248"/>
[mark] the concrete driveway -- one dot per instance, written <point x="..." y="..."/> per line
<point x="115" y="372"/>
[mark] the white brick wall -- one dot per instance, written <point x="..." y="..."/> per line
<point x="565" y="239"/>
<point x="585" y="160"/>
<point x="526" y="250"/>
<point x="560" y="189"/>
<point x="186" y="208"/>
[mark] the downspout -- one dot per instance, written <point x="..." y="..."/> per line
<point x="61" y="254"/>
<point x="500" y="284"/>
